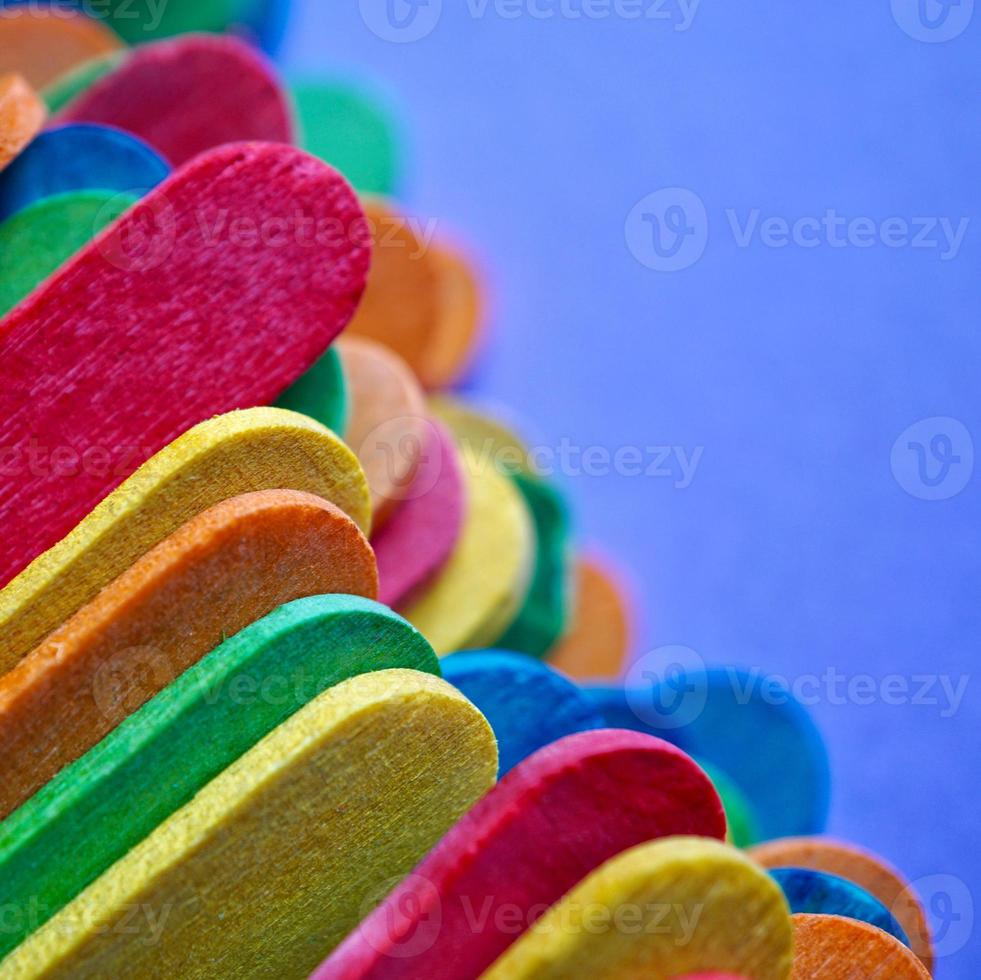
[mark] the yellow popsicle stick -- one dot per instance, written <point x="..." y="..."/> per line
<point x="479" y="591"/>
<point x="488" y="438"/>
<point x="280" y="856"/>
<point x="241" y="452"/>
<point x="662" y="910"/>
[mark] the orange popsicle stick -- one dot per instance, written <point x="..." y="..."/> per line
<point x="22" y="114"/>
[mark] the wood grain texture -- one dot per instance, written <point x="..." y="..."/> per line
<point x="478" y="592"/>
<point x="544" y="615"/>
<point x="37" y="241"/>
<point x="829" y="947"/>
<point x="597" y="645"/>
<point x="818" y="893"/>
<point x="868" y="870"/>
<point x="459" y="327"/>
<point x="264" y="871"/>
<point x="528" y="704"/>
<point x="552" y="821"/>
<point x="657" y="911"/>
<point x="78" y="158"/>
<point x="42" y="44"/>
<point x="224" y="569"/>
<point x="22" y="114"/>
<point x="387" y="427"/>
<point x="420" y="536"/>
<point x="94" y="811"/>
<point x="188" y="95"/>
<point x="321" y="394"/>
<point x="241" y="452"/>
<point x="201" y="319"/>
<point x="401" y="305"/>
<point x="351" y="129"/>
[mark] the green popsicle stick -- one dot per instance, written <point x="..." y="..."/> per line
<point x="73" y="83"/>
<point x="739" y="812"/>
<point x="41" y="238"/>
<point x="321" y="394"/>
<point x="351" y="131"/>
<point x="544" y="616"/>
<point x="94" y="811"/>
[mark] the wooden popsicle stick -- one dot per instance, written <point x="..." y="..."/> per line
<point x="42" y="43"/>
<point x="37" y="241"/>
<point x="188" y="95"/>
<point x="740" y="816"/>
<point x="871" y="872"/>
<point x="711" y="976"/>
<point x="79" y="158"/>
<point x="241" y="452"/>
<point x="830" y="947"/>
<point x="350" y="129"/>
<point x="321" y="394"/>
<point x="224" y="569"/>
<point x="22" y="114"/>
<point x="418" y="539"/>
<point x="460" y="322"/>
<point x="487" y="437"/>
<point x="597" y="645"/>
<point x="657" y="911"/>
<point x="528" y="704"/>
<point x="72" y="83"/>
<point x="144" y="317"/>
<point x="818" y="893"/>
<point x="401" y="304"/>
<point x="717" y="715"/>
<point x="544" y="616"/>
<point x="94" y="811"/>
<point x="552" y="821"/>
<point x="480" y="589"/>
<point x="387" y="428"/>
<point x="264" y="871"/>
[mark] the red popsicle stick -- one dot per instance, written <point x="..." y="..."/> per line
<point x="552" y="821"/>
<point x="420" y="535"/>
<point x="215" y="293"/>
<point x="188" y="95"/>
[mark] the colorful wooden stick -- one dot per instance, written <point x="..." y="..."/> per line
<point x="830" y="947"/>
<point x="321" y="394"/>
<point x="420" y="536"/>
<point x="461" y="319"/>
<point x="528" y="704"/>
<point x="152" y="331"/>
<point x="658" y="911"/>
<point x="241" y="452"/>
<point x="188" y="95"/>
<point x="547" y="825"/>
<point x="478" y="592"/>
<point x="401" y="304"/>
<point x="387" y="427"/>
<point x="77" y="158"/>
<point x="351" y="130"/>
<point x="22" y="115"/>
<point x="597" y="645"/>
<point x="486" y="436"/>
<point x="718" y="715"/>
<point x="868" y="870"/>
<point x="818" y="893"/>
<point x="75" y="81"/>
<point x="94" y="811"/>
<point x="276" y="859"/>
<point x="37" y="241"/>
<point x="740" y="817"/>
<point x="226" y="568"/>
<point x="543" y="618"/>
<point x="43" y="42"/>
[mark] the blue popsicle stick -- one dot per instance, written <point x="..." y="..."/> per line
<point x="79" y="157"/>
<point x="757" y="734"/>
<point x="528" y="704"/>
<point x="818" y="893"/>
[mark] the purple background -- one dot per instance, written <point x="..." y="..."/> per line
<point x="795" y="369"/>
